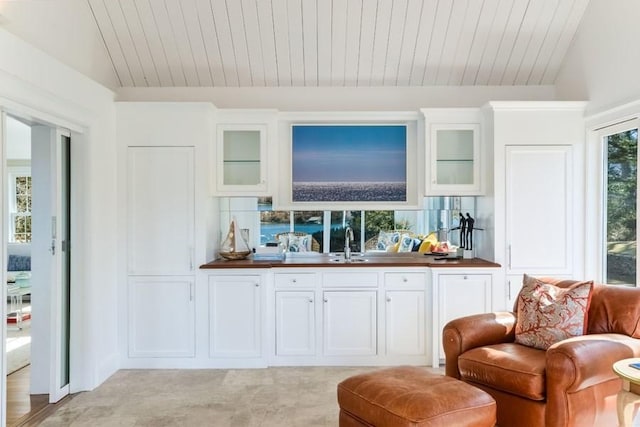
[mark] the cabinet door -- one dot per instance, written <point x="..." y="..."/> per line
<point x="241" y="154"/>
<point x="459" y="296"/>
<point x="405" y="322"/>
<point x="234" y="317"/>
<point x="349" y="320"/>
<point x="454" y="159"/>
<point x="539" y="204"/>
<point x="161" y="317"/>
<point x="295" y="323"/>
<point x="160" y="208"/>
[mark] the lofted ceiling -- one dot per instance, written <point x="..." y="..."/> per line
<point x="271" y="43"/>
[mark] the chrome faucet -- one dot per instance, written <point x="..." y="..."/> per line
<point x="348" y="238"/>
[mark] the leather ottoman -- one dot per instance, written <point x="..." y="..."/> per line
<point x="411" y="396"/>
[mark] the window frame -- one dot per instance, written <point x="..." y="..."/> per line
<point x="601" y="133"/>
<point x="14" y="172"/>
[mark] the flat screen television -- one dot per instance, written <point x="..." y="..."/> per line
<point x="349" y="163"/>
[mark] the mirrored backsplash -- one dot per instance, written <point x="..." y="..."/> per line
<point x="440" y="215"/>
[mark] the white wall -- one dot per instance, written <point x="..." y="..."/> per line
<point x="343" y="98"/>
<point x="18" y="140"/>
<point x="35" y="86"/>
<point x="55" y="27"/>
<point x="603" y="61"/>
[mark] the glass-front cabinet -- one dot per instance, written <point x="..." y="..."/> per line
<point x="453" y="152"/>
<point x="454" y="158"/>
<point x="241" y="154"/>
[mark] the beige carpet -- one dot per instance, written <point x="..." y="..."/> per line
<point x="18" y="346"/>
<point x="278" y="397"/>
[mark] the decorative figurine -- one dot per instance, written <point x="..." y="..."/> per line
<point x="235" y="245"/>
<point x="463" y="230"/>
<point x="469" y="235"/>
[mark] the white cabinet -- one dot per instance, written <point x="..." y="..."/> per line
<point x="455" y="159"/>
<point x="295" y="323"/>
<point x="235" y="316"/>
<point x="160" y="210"/>
<point x="241" y="154"/>
<point x="349" y="323"/>
<point x="538" y="190"/>
<point x="453" y="154"/>
<point x="405" y="323"/>
<point x="458" y="295"/>
<point x="539" y="209"/>
<point x="161" y="317"/>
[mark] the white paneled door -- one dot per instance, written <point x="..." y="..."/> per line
<point x="539" y="209"/>
<point x="160" y="211"/>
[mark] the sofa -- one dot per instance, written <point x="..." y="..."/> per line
<point x="571" y="383"/>
<point x="19" y="266"/>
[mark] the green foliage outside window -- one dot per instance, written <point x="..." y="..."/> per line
<point x="621" y="199"/>
<point x="22" y="215"/>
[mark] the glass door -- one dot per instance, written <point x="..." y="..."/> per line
<point x="620" y="145"/>
<point x="60" y="251"/>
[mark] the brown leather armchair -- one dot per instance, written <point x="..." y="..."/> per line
<point x="569" y="384"/>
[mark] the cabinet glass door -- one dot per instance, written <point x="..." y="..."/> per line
<point x="455" y="158"/>
<point x="241" y="157"/>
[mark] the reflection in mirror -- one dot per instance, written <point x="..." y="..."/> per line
<point x="441" y="215"/>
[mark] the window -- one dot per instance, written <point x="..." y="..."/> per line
<point x="20" y="206"/>
<point x="620" y="204"/>
<point x="330" y="223"/>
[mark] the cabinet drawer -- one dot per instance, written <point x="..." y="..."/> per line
<point x="411" y="280"/>
<point x="348" y="279"/>
<point x="295" y="280"/>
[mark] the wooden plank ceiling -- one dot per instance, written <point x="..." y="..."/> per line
<point x="219" y="43"/>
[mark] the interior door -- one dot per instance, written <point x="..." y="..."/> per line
<point x="61" y="261"/>
<point x="3" y="268"/>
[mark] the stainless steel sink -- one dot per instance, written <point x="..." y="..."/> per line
<point x="341" y="260"/>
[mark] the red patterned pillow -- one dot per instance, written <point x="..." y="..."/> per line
<point x="548" y="314"/>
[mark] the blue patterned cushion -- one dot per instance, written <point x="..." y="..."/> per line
<point x="406" y="243"/>
<point x="387" y="239"/>
<point x="295" y="243"/>
<point x="19" y="263"/>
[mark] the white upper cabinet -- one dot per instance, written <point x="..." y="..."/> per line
<point x="241" y="165"/>
<point x="539" y="210"/>
<point x="453" y="155"/>
<point x="161" y="224"/>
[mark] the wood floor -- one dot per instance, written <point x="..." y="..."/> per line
<point x="24" y="409"/>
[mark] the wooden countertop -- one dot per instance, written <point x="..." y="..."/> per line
<point x="325" y="260"/>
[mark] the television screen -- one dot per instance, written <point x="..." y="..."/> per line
<point x="349" y="163"/>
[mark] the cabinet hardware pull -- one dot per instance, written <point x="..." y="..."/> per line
<point x="405" y="280"/>
<point x="294" y="280"/>
<point x="326" y="300"/>
<point x="509" y="256"/>
<point x="257" y="285"/>
<point x="465" y="277"/>
<point x="388" y="299"/>
<point x="190" y="258"/>
<point x="509" y="290"/>
<point x="310" y="299"/>
<point x="190" y="291"/>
